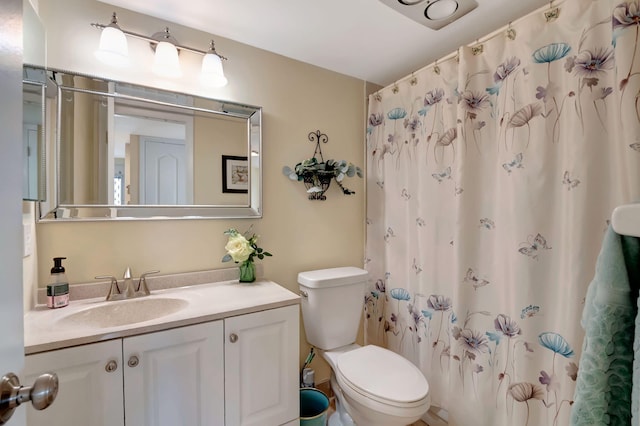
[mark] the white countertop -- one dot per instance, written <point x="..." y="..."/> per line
<point x="44" y="328"/>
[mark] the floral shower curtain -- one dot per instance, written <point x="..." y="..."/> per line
<point x="491" y="179"/>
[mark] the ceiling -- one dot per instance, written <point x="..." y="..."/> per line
<point x="361" y="38"/>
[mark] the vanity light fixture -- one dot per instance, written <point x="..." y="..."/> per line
<point x="113" y="45"/>
<point x="113" y="51"/>
<point x="212" y="73"/>
<point x="165" y="60"/>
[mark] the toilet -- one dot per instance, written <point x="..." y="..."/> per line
<point x="373" y="386"/>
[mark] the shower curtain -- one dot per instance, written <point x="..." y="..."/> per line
<point x="491" y="177"/>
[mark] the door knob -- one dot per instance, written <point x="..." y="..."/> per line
<point x="233" y="337"/>
<point x="41" y="394"/>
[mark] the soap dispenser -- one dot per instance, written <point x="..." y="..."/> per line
<point x="58" y="288"/>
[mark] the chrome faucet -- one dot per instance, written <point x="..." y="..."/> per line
<point x="143" y="289"/>
<point x="128" y="284"/>
<point x="129" y="290"/>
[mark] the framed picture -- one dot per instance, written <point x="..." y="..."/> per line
<point x="235" y="174"/>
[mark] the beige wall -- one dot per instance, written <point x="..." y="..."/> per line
<point x="296" y="98"/>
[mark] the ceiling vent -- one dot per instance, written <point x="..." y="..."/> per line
<point x="434" y="14"/>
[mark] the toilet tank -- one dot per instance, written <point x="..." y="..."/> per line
<point x="332" y="303"/>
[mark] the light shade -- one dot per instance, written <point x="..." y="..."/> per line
<point x="166" y="62"/>
<point x="113" y="48"/>
<point x="212" y="73"/>
<point x="441" y="9"/>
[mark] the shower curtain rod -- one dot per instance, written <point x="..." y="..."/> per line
<point x="502" y="30"/>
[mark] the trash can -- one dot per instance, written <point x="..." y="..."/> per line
<point x="314" y="405"/>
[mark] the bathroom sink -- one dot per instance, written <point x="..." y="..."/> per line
<point x="114" y="314"/>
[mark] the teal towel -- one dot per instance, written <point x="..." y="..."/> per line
<point x="635" y="393"/>
<point x="604" y="384"/>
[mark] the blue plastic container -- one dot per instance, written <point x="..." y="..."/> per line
<point x="314" y="405"/>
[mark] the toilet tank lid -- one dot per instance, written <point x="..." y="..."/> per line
<point x="323" y="278"/>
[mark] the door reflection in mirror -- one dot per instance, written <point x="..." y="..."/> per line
<point x="150" y="151"/>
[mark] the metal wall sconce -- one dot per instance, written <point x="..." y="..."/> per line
<point x="317" y="174"/>
<point x="113" y="51"/>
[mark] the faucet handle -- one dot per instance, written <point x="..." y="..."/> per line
<point x="142" y="284"/>
<point x="111" y="295"/>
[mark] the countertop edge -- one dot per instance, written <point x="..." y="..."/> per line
<point x="136" y="331"/>
<point x="98" y="335"/>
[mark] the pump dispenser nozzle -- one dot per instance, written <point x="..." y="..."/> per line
<point x="57" y="265"/>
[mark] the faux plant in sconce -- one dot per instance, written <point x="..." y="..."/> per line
<point x="243" y="250"/>
<point x="317" y="174"/>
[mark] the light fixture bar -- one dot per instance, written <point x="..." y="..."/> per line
<point x="154" y="41"/>
<point x="113" y="51"/>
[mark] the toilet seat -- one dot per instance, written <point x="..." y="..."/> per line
<point x="373" y="373"/>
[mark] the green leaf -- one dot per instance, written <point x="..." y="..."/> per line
<point x="266" y="253"/>
<point x="261" y="256"/>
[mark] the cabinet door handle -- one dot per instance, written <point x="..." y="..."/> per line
<point x="133" y="361"/>
<point x="111" y="366"/>
<point x="233" y="337"/>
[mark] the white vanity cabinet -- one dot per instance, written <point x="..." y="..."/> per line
<point x="239" y="371"/>
<point x="261" y="368"/>
<point x="175" y="377"/>
<point x="88" y="393"/>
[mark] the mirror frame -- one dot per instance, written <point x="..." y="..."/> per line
<point x="82" y="212"/>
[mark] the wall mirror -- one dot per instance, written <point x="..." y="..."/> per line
<point x="125" y="151"/>
<point x="33" y="130"/>
<point x="33" y="122"/>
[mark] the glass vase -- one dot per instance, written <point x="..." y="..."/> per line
<point x="247" y="272"/>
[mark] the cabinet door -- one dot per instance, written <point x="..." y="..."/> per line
<point x="90" y="393"/>
<point x="175" y="377"/>
<point x="261" y="367"/>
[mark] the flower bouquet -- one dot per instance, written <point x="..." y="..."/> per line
<point x="242" y="250"/>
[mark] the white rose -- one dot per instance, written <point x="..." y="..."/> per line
<point x="238" y="248"/>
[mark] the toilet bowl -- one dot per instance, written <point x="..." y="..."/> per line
<point x="373" y="386"/>
<point x="377" y="386"/>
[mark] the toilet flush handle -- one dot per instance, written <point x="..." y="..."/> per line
<point x="304" y="293"/>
